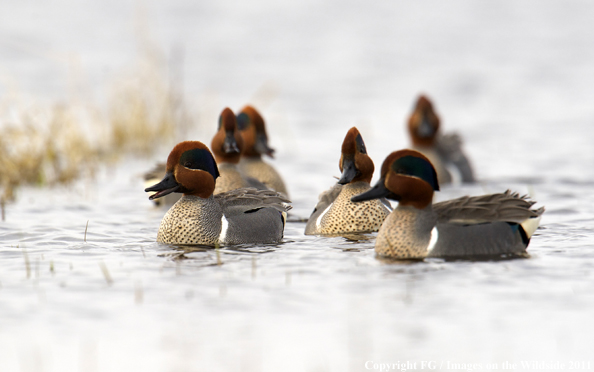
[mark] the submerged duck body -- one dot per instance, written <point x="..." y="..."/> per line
<point x="335" y="213"/>
<point x="253" y="131"/>
<point x="244" y="215"/>
<point x="441" y="150"/>
<point x="467" y="227"/>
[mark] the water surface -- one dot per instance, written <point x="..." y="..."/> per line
<point x="515" y="78"/>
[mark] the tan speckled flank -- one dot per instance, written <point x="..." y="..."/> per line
<point x="346" y="216"/>
<point x="263" y="172"/>
<point x="229" y="179"/>
<point x="192" y="220"/>
<point x="406" y="233"/>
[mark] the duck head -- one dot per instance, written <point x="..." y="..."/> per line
<point x="407" y="177"/>
<point x="423" y="123"/>
<point x="252" y="128"/>
<point x="191" y="170"/>
<point x="354" y="163"/>
<point x="227" y="143"/>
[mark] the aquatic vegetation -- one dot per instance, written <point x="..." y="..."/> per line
<point x="47" y="145"/>
<point x="144" y="108"/>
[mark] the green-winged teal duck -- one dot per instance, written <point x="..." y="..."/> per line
<point x="442" y="150"/>
<point x="255" y="139"/>
<point x="335" y="213"/>
<point x="226" y="146"/>
<point x="467" y="227"/>
<point x="243" y="215"/>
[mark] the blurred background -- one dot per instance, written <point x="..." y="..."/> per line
<point x="92" y="94"/>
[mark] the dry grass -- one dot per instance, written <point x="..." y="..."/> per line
<point x="106" y="273"/>
<point x="141" y="110"/>
<point x="46" y="146"/>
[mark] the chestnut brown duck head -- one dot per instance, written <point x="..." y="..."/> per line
<point x="253" y="130"/>
<point x="227" y="144"/>
<point x="191" y="170"/>
<point x="423" y="124"/>
<point x="354" y="163"/>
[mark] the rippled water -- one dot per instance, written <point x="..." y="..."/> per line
<point x="515" y="78"/>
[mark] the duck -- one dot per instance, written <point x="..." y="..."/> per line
<point x="253" y="131"/>
<point x="335" y="213"/>
<point x="486" y="226"/>
<point x="226" y="146"/>
<point x="442" y="150"/>
<point x="240" y="216"/>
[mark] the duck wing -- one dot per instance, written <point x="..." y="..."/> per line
<point x="248" y="200"/>
<point x="504" y="207"/>
<point x="324" y="201"/>
<point x="252" y="216"/>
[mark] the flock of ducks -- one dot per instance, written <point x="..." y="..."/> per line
<point x="231" y="196"/>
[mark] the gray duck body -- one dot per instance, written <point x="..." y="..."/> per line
<point x="449" y="147"/>
<point x="448" y="153"/>
<point x="239" y="216"/>
<point x="483" y="226"/>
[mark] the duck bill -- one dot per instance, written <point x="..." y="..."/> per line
<point x="349" y="171"/>
<point x="230" y="145"/>
<point x="262" y="145"/>
<point x="167" y="185"/>
<point x="376" y="192"/>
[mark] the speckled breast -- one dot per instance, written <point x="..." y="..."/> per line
<point x="345" y="216"/>
<point x="192" y="220"/>
<point x="404" y="236"/>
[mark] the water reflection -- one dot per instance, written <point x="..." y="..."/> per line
<point x="199" y="251"/>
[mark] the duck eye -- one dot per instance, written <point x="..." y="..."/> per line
<point x="188" y="164"/>
<point x="400" y="171"/>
